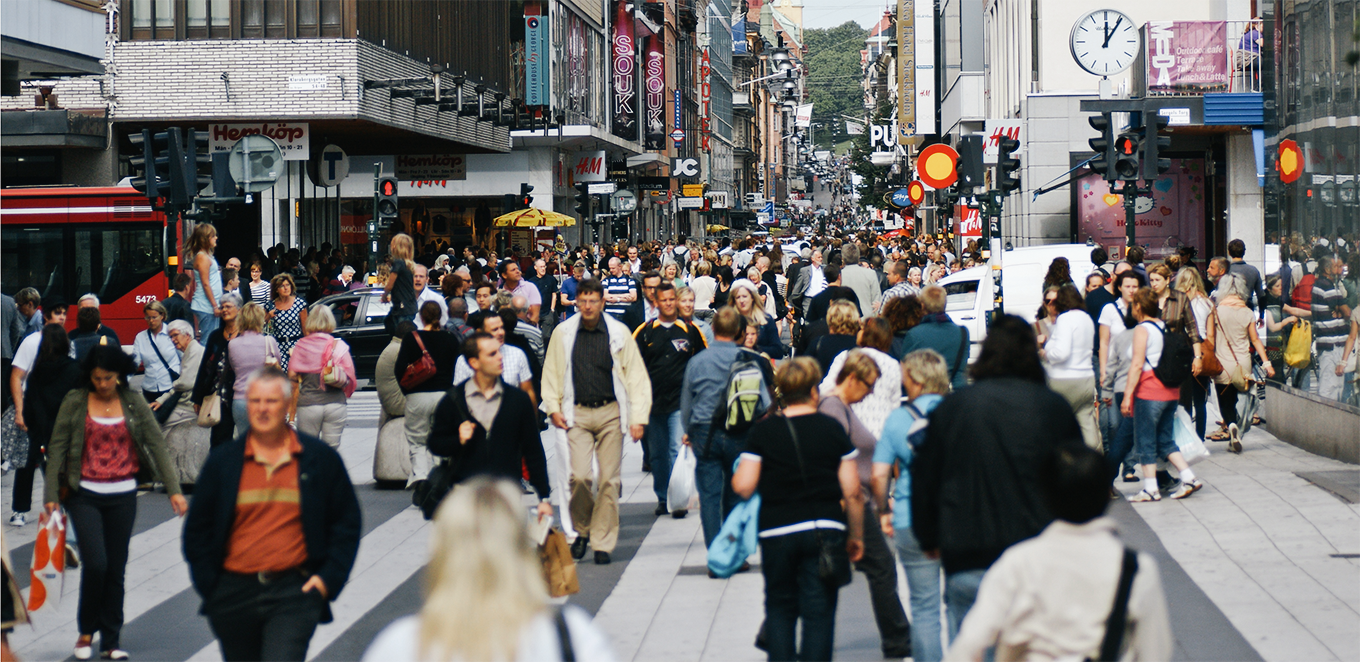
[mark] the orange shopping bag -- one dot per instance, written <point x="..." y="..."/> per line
<point x="49" y="562"/>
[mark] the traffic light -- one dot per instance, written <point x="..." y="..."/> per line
<point x="970" y="163"/>
<point x="1007" y="165"/>
<point x="1126" y="148"/>
<point x="145" y="177"/>
<point x="619" y="226"/>
<point x="1154" y="144"/>
<point x="525" y="199"/>
<point x="197" y="165"/>
<point x="385" y="201"/>
<point x="1103" y="146"/>
<point x="583" y="200"/>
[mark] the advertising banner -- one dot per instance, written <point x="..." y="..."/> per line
<point x="705" y="98"/>
<point x="1173" y="217"/>
<point x="654" y="78"/>
<point x="536" y="75"/>
<point x="590" y="167"/>
<point x="294" y="138"/>
<point x="804" y="116"/>
<point x="906" y="69"/>
<point x="1187" y="56"/>
<point x="578" y="58"/>
<point x="925" y="67"/>
<point x="623" y="66"/>
<point x="969" y="222"/>
<point x="994" y="131"/>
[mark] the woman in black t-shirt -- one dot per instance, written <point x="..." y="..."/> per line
<point x="423" y="398"/>
<point x="400" y="290"/>
<point x="804" y="465"/>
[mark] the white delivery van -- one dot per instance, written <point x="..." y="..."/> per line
<point x="970" y="291"/>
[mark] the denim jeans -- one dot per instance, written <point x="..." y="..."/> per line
<point x="923" y="584"/>
<point x="713" y="476"/>
<point x="960" y="592"/>
<point x="793" y="591"/>
<point x="664" y="432"/>
<point x="1154" y="429"/>
<point x="1121" y="445"/>
<point x="256" y="621"/>
<point x="238" y="416"/>
<point x="207" y="323"/>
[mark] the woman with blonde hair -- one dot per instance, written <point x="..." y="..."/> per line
<point x="207" y="278"/>
<point x="842" y="321"/>
<point x="248" y="352"/>
<point x="485" y="597"/>
<point x="1187" y="282"/>
<point x="399" y="289"/>
<point x="746" y="300"/>
<point x="323" y="370"/>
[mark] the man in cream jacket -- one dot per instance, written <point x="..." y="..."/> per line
<point x="595" y="386"/>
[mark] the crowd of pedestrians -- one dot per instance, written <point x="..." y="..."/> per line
<point x="823" y="373"/>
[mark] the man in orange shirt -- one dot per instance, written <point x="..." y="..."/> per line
<point x="272" y="533"/>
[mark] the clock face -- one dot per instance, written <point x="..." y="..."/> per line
<point x="1105" y="42"/>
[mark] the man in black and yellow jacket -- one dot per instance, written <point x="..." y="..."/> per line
<point x="667" y="343"/>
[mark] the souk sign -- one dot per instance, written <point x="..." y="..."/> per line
<point x="293" y="138"/>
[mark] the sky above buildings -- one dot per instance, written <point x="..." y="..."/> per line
<point x="831" y="13"/>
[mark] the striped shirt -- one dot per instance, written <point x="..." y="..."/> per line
<point x="618" y="285"/>
<point x="266" y="535"/>
<point x="1329" y="328"/>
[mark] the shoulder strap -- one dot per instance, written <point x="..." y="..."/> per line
<point x="416" y="335"/>
<point x="1119" y="614"/>
<point x="152" y="339"/>
<point x="797" y="451"/>
<point x="564" y="636"/>
<point x="962" y="357"/>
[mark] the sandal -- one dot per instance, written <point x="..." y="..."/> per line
<point x="1218" y="435"/>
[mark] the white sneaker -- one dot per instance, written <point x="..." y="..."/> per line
<point x="1234" y="439"/>
<point x="1145" y="495"/>
<point x="18" y="519"/>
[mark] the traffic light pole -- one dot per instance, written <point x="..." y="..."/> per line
<point x="373" y="225"/>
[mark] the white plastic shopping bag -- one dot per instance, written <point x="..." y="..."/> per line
<point x="1191" y="446"/>
<point x="680" y="494"/>
<point x="49" y="562"/>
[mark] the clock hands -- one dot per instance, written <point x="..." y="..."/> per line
<point x="1110" y="33"/>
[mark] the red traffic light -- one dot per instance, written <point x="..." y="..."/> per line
<point x="1126" y="145"/>
<point x="388" y="187"/>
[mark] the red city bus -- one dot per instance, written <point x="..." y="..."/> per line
<point x="68" y="242"/>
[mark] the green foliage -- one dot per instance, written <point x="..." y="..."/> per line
<point x="834" y="78"/>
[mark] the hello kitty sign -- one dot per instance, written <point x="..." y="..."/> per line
<point x="1172" y="217"/>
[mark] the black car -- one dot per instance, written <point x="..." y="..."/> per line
<point x="359" y="316"/>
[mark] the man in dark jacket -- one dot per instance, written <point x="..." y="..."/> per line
<point x="272" y="532"/>
<point x="177" y="305"/>
<point x="975" y="481"/>
<point x="936" y="331"/>
<point x="485" y="426"/>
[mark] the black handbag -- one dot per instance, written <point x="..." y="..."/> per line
<point x="833" y="561"/>
<point x="429" y="493"/>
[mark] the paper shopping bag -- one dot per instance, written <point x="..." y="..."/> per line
<point x="49" y="562"/>
<point x="559" y="569"/>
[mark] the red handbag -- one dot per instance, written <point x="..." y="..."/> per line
<point x="421" y="370"/>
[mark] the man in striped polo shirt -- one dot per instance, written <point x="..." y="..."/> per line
<point x="1331" y="323"/>
<point x="619" y="290"/>
<point x="272" y="532"/>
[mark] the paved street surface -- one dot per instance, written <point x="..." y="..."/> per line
<point x="1261" y="564"/>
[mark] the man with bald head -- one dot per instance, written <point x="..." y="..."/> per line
<point x="527" y="326"/>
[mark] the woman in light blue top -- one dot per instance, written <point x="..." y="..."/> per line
<point x="207" y="278"/>
<point x="925" y="376"/>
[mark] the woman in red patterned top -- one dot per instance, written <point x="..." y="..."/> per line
<point x="104" y="433"/>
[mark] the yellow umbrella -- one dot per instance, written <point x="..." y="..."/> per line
<point x="532" y="218"/>
<point x="716" y="228"/>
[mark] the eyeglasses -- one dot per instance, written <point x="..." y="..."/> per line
<point x="1048" y="302"/>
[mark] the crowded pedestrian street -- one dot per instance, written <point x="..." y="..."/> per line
<point x="1262" y="567"/>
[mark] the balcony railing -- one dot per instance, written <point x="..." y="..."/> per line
<point x="1199" y="57"/>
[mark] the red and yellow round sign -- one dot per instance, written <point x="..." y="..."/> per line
<point x="936" y="165"/>
<point x="916" y="191"/>
<point x="1290" y="162"/>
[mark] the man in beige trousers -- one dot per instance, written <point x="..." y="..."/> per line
<point x="595" y="386"/>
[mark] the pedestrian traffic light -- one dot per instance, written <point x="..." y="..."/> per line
<point x="619" y="227"/>
<point x="583" y="200"/>
<point x="1007" y="165"/>
<point x="970" y="163"/>
<point x="1103" y="146"/>
<point x="1155" y="143"/>
<point x="1126" y="148"/>
<point x="525" y="199"/>
<point x="145" y="177"/>
<point x="385" y="204"/>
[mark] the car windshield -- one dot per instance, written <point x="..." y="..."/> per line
<point x="960" y="295"/>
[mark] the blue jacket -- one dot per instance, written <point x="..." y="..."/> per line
<point x="330" y="515"/>
<point x="943" y="337"/>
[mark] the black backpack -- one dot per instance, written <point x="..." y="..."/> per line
<point x="1174" y="368"/>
